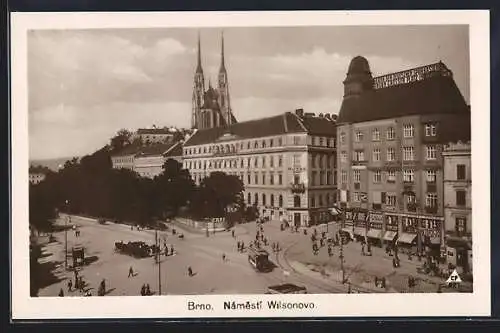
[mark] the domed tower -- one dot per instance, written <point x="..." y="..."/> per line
<point x="359" y="78"/>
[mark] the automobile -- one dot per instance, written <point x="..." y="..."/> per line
<point x="286" y="288"/>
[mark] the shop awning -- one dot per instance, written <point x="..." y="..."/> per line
<point x="407" y="238"/>
<point x="390" y="235"/>
<point x="374" y="233"/>
<point x="360" y="231"/>
<point x="349" y="231"/>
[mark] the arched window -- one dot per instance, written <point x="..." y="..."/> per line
<point x="272" y="200"/>
<point x="256" y="199"/>
<point x="263" y="199"/>
<point x="249" y="198"/>
<point x="328" y="199"/>
<point x="296" y="201"/>
<point x="280" y="201"/>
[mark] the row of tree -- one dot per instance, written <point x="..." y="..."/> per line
<point x="90" y="186"/>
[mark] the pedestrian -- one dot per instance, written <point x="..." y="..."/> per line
<point x="383" y="282"/>
<point x="143" y="290"/>
<point x="103" y="287"/>
<point x="190" y="271"/>
<point x="172" y="250"/>
<point x="130" y="272"/>
<point x="321" y="242"/>
<point x="242" y="246"/>
<point x="232" y="233"/>
<point x="61" y="293"/>
<point x="148" y="291"/>
<point x="363" y="249"/>
<point x="223" y="257"/>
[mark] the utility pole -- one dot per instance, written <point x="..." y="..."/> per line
<point x="342" y="251"/>
<point x="158" y="259"/>
<point x="66" y="236"/>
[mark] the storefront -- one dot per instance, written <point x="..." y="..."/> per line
<point x="375" y="230"/>
<point x="360" y="225"/>
<point x="320" y="215"/>
<point x="391" y="229"/>
<point x="459" y="254"/>
<point x="408" y="239"/>
<point x="431" y="235"/>
<point x="348" y="223"/>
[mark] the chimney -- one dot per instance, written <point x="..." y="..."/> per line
<point x="321" y="115"/>
<point x="299" y="112"/>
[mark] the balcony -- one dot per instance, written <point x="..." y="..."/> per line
<point x="359" y="162"/>
<point x="298" y="187"/>
<point x="411" y="207"/>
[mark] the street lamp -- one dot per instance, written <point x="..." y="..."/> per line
<point x="66" y="235"/>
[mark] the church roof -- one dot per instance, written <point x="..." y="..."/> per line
<point x="437" y="94"/>
<point x="276" y="125"/>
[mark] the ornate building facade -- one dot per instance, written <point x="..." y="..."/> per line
<point x="391" y="132"/>
<point x="211" y="107"/>
<point x="458" y="204"/>
<point x="287" y="163"/>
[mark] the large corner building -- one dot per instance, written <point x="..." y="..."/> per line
<point x="391" y="132"/>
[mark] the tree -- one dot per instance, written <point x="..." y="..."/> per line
<point x="173" y="188"/>
<point x="41" y="207"/>
<point x="121" y="139"/>
<point x="217" y="194"/>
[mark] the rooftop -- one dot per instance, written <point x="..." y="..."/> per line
<point x="424" y="90"/>
<point x="287" y="122"/>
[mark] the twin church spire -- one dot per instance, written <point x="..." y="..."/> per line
<point x="211" y="108"/>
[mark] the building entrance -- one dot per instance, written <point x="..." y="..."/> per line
<point x="296" y="219"/>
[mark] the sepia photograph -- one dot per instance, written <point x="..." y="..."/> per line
<point x="225" y="159"/>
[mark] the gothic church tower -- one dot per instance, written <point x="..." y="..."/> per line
<point x="223" y="90"/>
<point x="198" y="90"/>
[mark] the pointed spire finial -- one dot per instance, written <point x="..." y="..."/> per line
<point x="222" y="64"/>
<point x="198" y="67"/>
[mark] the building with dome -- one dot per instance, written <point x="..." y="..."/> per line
<point x="391" y="131"/>
<point x="212" y="107"/>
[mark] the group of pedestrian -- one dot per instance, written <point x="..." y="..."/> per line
<point x="276" y="247"/>
<point x="145" y="290"/>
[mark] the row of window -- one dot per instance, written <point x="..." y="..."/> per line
<point x="255" y="162"/>
<point x="322" y="160"/>
<point x="330" y="178"/>
<point x="408" y="154"/>
<point x="315" y="201"/>
<point x="256" y="144"/>
<point x="390" y="134"/>
<point x="408" y="176"/>
<point x="390" y="199"/>
<point x="431" y="198"/>
<point x="263" y="200"/>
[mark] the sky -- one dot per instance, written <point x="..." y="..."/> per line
<point x="85" y="85"/>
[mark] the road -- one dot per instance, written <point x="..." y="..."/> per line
<point x="203" y="254"/>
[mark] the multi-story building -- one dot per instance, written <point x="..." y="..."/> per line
<point x="391" y="131"/>
<point x="37" y="174"/>
<point x="154" y="135"/>
<point x="457" y="204"/>
<point x="147" y="160"/>
<point x="287" y="163"/>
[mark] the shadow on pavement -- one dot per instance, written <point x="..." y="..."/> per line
<point x="42" y="276"/>
<point x="91" y="259"/>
